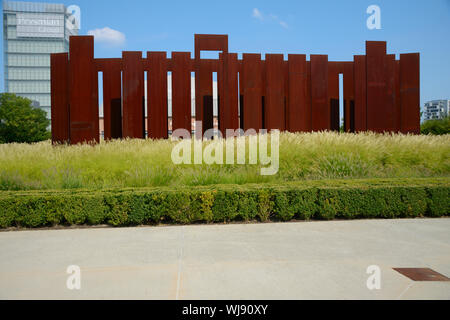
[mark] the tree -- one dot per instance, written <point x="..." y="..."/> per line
<point x="436" y="127"/>
<point x="20" y="121"/>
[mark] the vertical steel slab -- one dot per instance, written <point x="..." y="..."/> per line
<point x="359" y="71"/>
<point x="203" y="94"/>
<point x="376" y="85"/>
<point x="274" y="92"/>
<point x="228" y="92"/>
<point x="398" y="113"/>
<point x="390" y="107"/>
<point x="410" y="92"/>
<point x="308" y="92"/>
<point x="319" y="93"/>
<point x="133" y="125"/>
<point x="83" y="83"/>
<point x="157" y="95"/>
<point x="60" y="97"/>
<point x="349" y="96"/>
<point x="299" y="110"/>
<point x="286" y="92"/>
<point x="112" y="96"/>
<point x="252" y="90"/>
<point x="333" y="79"/>
<point x="181" y="91"/>
<point x="203" y="76"/>
<point x="241" y="93"/>
<point x="334" y="69"/>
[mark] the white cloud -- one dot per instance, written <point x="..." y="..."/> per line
<point x="284" y="24"/>
<point x="108" y="36"/>
<point x="257" y="14"/>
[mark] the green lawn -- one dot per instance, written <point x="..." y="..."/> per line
<point x="147" y="163"/>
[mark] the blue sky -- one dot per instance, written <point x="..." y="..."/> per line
<point x="336" y="28"/>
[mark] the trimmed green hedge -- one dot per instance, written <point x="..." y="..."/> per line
<point x="225" y="203"/>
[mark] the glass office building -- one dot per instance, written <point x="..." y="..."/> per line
<point x="31" y="31"/>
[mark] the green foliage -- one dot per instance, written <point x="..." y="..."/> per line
<point x="117" y="206"/>
<point x="225" y="207"/>
<point x="20" y="121"/>
<point x="282" y="208"/>
<point x="438" y="201"/>
<point x="303" y="202"/>
<point x="347" y="199"/>
<point x="436" y="127"/>
<point x="265" y="205"/>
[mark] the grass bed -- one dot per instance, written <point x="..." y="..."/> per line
<point x="147" y="163"/>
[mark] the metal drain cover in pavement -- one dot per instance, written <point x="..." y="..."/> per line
<point x="421" y="274"/>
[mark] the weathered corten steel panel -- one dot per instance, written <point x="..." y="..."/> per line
<point x="286" y="93"/>
<point x="228" y="92"/>
<point x="334" y="69"/>
<point x="112" y="96"/>
<point x="203" y="76"/>
<point x="83" y="83"/>
<point x="181" y="90"/>
<point x="252" y="90"/>
<point x="349" y="96"/>
<point x="410" y="92"/>
<point x="359" y="70"/>
<point x="319" y="93"/>
<point x="157" y="95"/>
<point x="398" y="114"/>
<point x="299" y="110"/>
<point x="210" y="42"/>
<point x="241" y="93"/>
<point x="60" y="97"/>
<point x="376" y="85"/>
<point x="203" y="94"/>
<point x="274" y="92"/>
<point x="390" y="107"/>
<point x="133" y="93"/>
<point x="308" y="92"/>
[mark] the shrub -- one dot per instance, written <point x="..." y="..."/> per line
<point x="344" y="200"/>
<point x="264" y="205"/>
<point x="282" y="208"/>
<point x="303" y="202"/>
<point x="118" y="206"/>
<point x="436" y="127"/>
<point x="438" y="201"/>
<point x="225" y="207"/>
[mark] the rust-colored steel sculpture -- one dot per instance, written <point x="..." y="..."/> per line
<point x="181" y="91"/>
<point x="381" y="94"/>
<point x="83" y="87"/>
<point x="157" y="95"/>
<point x="60" y="98"/>
<point x="112" y="99"/>
<point x="298" y="114"/>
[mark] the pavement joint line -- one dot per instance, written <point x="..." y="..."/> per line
<point x="180" y="264"/>
<point x="406" y="289"/>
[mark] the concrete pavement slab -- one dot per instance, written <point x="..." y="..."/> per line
<point x="296" y="260"/>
